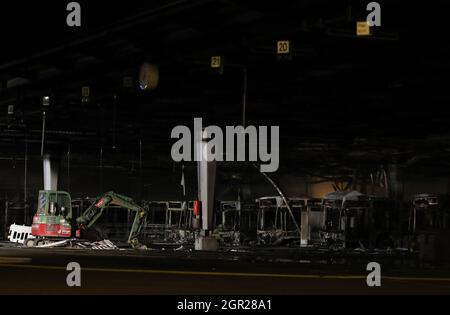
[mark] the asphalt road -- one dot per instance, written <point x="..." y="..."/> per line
<point x="43" y="271"/>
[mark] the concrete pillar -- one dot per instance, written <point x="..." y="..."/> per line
<point x="395" y="182"/>
<point x="51" y="169"/>
<point x="396" y="191"/>
<point x="304" y="227"/>
<point x="207" y="178"/>
<point x="206" y="172"/>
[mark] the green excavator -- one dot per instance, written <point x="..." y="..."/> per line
<point x="53" y="220"/>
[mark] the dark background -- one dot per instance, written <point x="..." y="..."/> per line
<point x="347" y="107"/>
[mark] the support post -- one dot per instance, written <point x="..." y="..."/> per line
<point x="244" y="97"/>
<point x="6" y="216"/>
<point x="25" y="177"/>
<point x="396" y="191"/>
<point x="206" y="171"/>
<point x="51" y="169"/>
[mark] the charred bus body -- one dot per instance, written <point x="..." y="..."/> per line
<point x="429" y="227"/>
<point x="430" y="212"/>
<point x="352" y="219"/>
<point x="236" y="222"/>
<point x="279" y="223"/>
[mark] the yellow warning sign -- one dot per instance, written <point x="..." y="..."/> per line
<point x="216" y="61"/>
<point x="362" y="28"/>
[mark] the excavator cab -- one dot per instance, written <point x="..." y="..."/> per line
<point x="53" y="202"/>
<point x="53" y="215"/>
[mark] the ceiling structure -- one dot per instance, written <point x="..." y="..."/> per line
<point x="342" y="102"/>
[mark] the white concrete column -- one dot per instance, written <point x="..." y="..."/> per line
<point x="206" y="172"/>
<point x="50" y="173"/>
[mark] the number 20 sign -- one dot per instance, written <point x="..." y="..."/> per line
<point x="283" y="47"/>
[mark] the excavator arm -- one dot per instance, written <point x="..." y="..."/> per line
<point x="95" y="211"/>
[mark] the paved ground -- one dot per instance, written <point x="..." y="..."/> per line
<point x="43" y="271"/>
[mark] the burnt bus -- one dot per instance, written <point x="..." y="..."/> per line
<point x="429" y="227"/>
<point x="429" y="212"/>
<point x="276" y="223"/>
<point x="345" y="219"/>
<point x="236" y="222"/>
<point x="355" y="220"/>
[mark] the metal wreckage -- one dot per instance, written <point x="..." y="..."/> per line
<point x="342" y="220"/>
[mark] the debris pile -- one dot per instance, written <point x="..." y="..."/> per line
<point x="75" y="243"/>
<point x="104" y="244"/>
